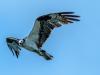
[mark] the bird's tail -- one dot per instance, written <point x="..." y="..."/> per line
<point x="44" y="54"/>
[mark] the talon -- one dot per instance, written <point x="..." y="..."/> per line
<point x="40" y="53"/>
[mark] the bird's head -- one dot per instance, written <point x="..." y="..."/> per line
<point x="14" y="45"/>
<point x="19" y="42"/>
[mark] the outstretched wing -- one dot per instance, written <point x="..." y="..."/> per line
<point x="13" y="46"/>
<point x="46" y="23"/>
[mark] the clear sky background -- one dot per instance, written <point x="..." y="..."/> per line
<point x="75" y="47"/>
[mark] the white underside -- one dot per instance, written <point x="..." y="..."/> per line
<point x="30" y="45"/>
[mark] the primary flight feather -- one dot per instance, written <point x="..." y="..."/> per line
<point x="43" y="26"/>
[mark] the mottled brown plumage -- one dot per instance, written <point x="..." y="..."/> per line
<point x="50" y="21"/>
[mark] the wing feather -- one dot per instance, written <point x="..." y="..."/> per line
<point x="46" y="23"/>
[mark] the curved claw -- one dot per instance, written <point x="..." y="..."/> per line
<point x="46" y="55"/>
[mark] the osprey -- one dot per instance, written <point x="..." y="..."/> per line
<point x="40" y="32"/>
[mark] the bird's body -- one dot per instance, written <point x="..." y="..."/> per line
<point x="30" y="45"/>
<point x="42" y="29"/>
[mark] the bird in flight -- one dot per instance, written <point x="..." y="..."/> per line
<point x="42" y="28"/>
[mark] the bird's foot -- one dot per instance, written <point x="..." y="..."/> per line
<point x="41" y="52"/>
<point x="46" y="55"/>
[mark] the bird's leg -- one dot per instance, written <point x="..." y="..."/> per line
<point x="44" y="54"/>
<point x="39" y="52"/>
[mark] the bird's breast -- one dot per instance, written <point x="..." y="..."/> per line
<point x="30" y="45"/>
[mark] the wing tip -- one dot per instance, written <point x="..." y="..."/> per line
<point x="66" y="12"/>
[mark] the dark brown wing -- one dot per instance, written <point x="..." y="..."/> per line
<point x="46" y="23"/>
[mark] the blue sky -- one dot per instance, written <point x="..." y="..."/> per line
<point x="75" y="47"/>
